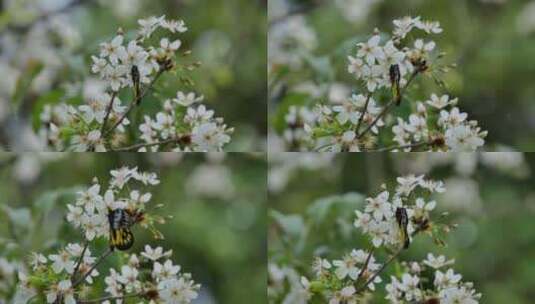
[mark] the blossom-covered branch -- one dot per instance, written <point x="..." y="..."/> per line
<point x="68" y="276"/>
<point x="132" y="68"/>
<point x="387" y="64"/>
<point x="390" y="220"/>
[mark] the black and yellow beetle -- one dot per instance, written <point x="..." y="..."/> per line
<point x="121" y="222"/>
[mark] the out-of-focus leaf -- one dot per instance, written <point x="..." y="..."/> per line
<point x="292" y="99"/>
<point x="348" y="47"/>
<point x="346" y="204"/>
<point x="5" y="18"/>
<point x="323" y="67"/>
<point x="51" y="97"/>
<point x="20" y="219"/>
<point x="292" y="224"/>
<point x="48" y="200"/>
<point x="25" y="81"/>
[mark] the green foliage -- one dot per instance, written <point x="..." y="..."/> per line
<point x="25" y="81"/>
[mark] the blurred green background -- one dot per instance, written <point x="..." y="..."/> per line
<point x="490" y="196"/>
<point x="217" y="201"/>
<point x="228" y="37"/>
<point x="491" y="41"/>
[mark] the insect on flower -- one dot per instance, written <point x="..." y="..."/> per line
<point x="121" y="221"/>
<point x="135" y="80"/>
<point x="403" y="221"/>
<point x="395" y="76"/>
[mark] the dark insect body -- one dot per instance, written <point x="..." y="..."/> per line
<point x="403" y="221"/>
<point x="135" y="80"/>
<point x="395" y="77"/>
<point x="121" y="221"/>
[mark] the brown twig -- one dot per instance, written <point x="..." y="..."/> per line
<point x="363" y="287"/>
<point x="395" y="255"/>
<point x="109" y="298"/>
<point x="365" y="267"/>
<point x="388" y="106"/>
<point x="374" y="122"/>
<point x="80" y="259"/>
<point x="108" y="111"/>
<point x="143" y="145"/>
<point x="135" y="102"/>
<point x="102" y="257"/>
<point x="361" y="118"/>
<point x="416" y="145"/>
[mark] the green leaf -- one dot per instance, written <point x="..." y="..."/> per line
<point x="344" y="204"/>
<point x="25" y="81"/>
<point x="292" y="224"/>
<point x="48" y="200"/>
<point x="5" y="18"/>
<point x="20" y="219"/>
<point x="52" y="97"/>
<point x="323" y="68"/>
<point x="292" y="99"/>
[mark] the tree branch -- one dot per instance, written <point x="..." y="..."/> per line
<point x="102" y="257"/>
<point x="108" y="111"/>
<point x="388" y="106"/>
<point x="415" y="145"/>
<point x="395" y="255"/>
<point x="79" y="262"/>
<point x="135" y="102"/>
<point x="109" y="298"/>
<point x="143" y="145"/>
<point x="365" y="267"/>
<point x="361" y="118"/>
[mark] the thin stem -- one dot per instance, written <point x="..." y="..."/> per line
<point x="416" y="145"/>
<point x="395" y="255"/>
<point x="323" y="147"/>
<point x="79" y="262"/>
<point x="365" y="267"/>
<point x="102" y="257"/>
<point x="108" y="111"/>
<point x="109" y="298"/>
<point x="374" y="122"/>
<point x="135" y="102"/>
<point x="388" y="106"/>
<point x="144" y="145"/>
<point x="361" y="118"/>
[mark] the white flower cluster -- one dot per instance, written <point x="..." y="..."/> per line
<point x="373" y="61"/>
<point x="289" y="39"/>
<point x="65" y="276"/>
<point x="285" y="282"/>
<point x="205" y="132"/>
<point x="354" y="124"/>
<point x="459" y="134"/>
<point x="90" y="211"/>
<point x="64" y="264"/>
<point x="378" y="219"/>
<point x="100" y="123"/>
<point x="446" y="286"/>
<point x="296" y="118"/>
<point x="87" y="119"/>
<point x="116" y="61"/>
<point x="342" y="277"/>
<point x="165" y="280"/>
<point x="166" y="284"/>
